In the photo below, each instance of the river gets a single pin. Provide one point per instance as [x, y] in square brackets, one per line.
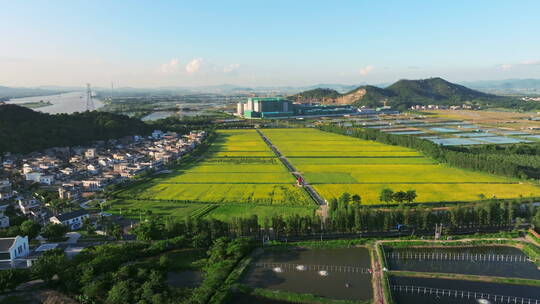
[61, 103]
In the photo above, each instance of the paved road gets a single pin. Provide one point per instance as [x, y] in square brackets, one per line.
[312, 192]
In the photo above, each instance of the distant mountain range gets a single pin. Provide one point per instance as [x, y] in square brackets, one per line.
[7, 92]
[372, 92]
[403, 92]
[506, 86]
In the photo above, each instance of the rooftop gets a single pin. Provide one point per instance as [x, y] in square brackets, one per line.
[71, 215]
[6, 243]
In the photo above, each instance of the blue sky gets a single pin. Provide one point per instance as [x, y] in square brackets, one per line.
[181, 43]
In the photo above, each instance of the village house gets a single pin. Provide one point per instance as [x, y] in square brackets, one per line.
[13, 248]
[46, 180]
[33, 177]
[69, 191]
[90, 153]
[93, 184]
[74, 220]
[27, 205]
[6, 191]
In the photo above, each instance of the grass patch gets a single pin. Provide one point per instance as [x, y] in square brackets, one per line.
[299, 297]
[226, 212]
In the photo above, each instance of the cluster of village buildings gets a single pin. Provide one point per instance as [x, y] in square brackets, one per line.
[79, 172]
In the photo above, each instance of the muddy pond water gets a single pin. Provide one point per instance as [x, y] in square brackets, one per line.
[407, 290]
[341, 273]
[498, 261]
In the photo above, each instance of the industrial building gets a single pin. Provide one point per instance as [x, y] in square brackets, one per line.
[279, 107]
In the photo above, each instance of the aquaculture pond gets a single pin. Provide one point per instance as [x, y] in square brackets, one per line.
[443, 130]
[408, 290]
[498, 261]
[501, 140]
[454, 141]
[339, 273]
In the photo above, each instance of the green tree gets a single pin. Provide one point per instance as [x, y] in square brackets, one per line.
[11, 278]
[356, 199]
[120, 293]
[536, 220]
[410, 195]
[345, 198]
[50, 263]
[30, 229]
[54, 231]
[386, 195]
[400, 196]
[89, 226]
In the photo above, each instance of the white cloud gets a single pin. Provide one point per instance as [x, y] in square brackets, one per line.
[523, 63]
[366, 70]
[531, 62]
[194, 65]
[231, 68]
[170, 67]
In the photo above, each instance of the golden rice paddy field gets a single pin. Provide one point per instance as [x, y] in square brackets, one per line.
[335, 164]
[238, 168]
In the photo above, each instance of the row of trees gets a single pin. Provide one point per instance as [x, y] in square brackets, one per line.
[506, 164]
[388, 195]
[345, 216]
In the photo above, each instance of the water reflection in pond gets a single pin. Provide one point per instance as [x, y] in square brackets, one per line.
[498, 261]
[418, 296]
[282, 270]
[184, 279]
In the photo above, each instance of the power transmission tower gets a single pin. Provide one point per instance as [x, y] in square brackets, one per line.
[89, 101]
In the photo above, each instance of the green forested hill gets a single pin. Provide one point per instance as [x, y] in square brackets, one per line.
[405, 93]
[23, 130]
[318, 93]
[436, 89]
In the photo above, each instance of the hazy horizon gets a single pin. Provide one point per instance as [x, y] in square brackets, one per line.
[171, 44]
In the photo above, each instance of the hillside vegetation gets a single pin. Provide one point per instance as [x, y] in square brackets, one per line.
[23, 130]
[405, 93]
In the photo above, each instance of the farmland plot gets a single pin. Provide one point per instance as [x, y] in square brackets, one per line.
[335, 164]
[237, 168]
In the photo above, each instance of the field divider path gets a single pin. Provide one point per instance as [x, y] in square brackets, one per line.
[312, 192]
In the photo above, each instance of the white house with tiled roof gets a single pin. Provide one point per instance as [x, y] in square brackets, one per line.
[13, 248]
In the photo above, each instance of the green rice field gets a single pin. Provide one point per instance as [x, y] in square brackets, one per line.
[335, 164]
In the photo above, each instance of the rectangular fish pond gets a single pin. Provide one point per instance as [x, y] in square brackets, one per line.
[413, 290]
[499, 261]
[337, 273]
[501, 140]
[443, 130]
[454, 141]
